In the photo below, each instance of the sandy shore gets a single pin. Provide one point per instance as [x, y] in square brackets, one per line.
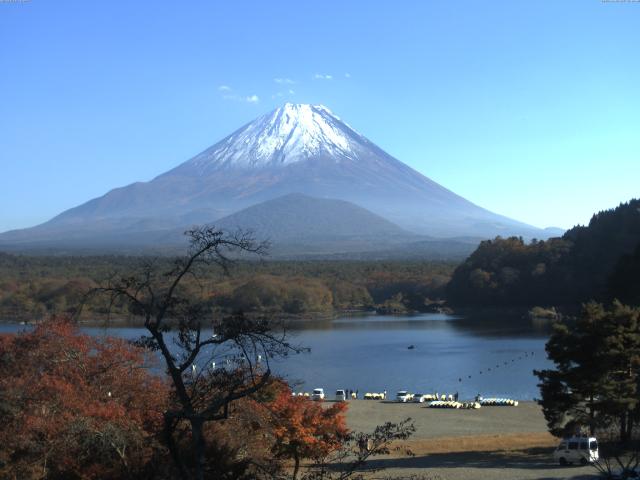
[489, 443]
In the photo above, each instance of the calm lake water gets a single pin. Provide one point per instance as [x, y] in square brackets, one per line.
[469, 355]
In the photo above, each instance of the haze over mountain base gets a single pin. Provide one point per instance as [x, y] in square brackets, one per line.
[253, 179]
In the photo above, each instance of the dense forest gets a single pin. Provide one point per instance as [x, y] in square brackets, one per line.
[32, 287]
[600, 261]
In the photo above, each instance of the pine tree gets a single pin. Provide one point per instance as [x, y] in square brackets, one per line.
[595, 382]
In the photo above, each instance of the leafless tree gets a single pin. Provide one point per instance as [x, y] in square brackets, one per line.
[617, 459]
[212, 361]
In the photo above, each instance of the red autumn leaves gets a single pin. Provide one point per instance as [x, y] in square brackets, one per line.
[72, 403]
[306, 429]
[77, 406]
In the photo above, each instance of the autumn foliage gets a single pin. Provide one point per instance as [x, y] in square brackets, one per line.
[76, 407]
[303, 428]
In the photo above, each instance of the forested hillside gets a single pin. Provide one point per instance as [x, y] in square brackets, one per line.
[33, 287]
[600, 261]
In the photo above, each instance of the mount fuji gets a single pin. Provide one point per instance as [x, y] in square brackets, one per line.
[295, 149]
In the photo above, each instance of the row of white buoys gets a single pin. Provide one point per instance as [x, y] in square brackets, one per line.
[300, 394]
[504, 364]
[498, 402]
[375, 396]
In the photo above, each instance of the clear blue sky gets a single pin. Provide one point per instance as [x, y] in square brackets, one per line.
[528, 108]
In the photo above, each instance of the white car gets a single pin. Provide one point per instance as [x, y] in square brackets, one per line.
[404, 396]
[583, 450]
[317, 394]
[341, 395]
[420, 397]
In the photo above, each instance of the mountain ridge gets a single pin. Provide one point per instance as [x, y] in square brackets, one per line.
[294, 148]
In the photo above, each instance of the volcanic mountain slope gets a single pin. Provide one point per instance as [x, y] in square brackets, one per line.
[300, 224]
[294, 149]
[300, 218]
[304, 227]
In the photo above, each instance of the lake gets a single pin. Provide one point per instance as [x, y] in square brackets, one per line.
[493, 356]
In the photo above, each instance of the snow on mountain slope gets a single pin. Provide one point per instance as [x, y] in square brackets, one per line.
[291, 133]
[303, 149]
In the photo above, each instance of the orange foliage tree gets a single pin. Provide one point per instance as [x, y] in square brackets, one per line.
[303, 428]
[75, 406]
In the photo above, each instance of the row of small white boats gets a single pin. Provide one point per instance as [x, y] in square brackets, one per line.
[454, 404]
[375, 396]
[498, 402]
[485, 402]
[433, 401]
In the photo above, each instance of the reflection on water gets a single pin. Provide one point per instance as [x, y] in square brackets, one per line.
[486, 326]
[374, 321]
[494, 356]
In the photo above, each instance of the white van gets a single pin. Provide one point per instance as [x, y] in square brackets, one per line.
[341, 395]
[581, 450]
[404, 396]
[317, 394]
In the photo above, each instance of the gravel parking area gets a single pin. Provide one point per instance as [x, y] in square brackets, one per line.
[507, 443]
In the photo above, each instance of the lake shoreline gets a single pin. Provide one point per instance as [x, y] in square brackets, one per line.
[285, 317]
[103, 321]
[476, 313]
[419, 353]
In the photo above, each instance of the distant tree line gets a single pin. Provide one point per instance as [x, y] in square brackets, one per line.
[33, 287]
[600, 261]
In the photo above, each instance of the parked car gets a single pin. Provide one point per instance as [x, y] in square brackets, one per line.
[583, 450]
[404, 396]
[317, 394]
[419, 397]
[341, 395]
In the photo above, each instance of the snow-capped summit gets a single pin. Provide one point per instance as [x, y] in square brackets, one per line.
[295, 149]
[288, 134]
